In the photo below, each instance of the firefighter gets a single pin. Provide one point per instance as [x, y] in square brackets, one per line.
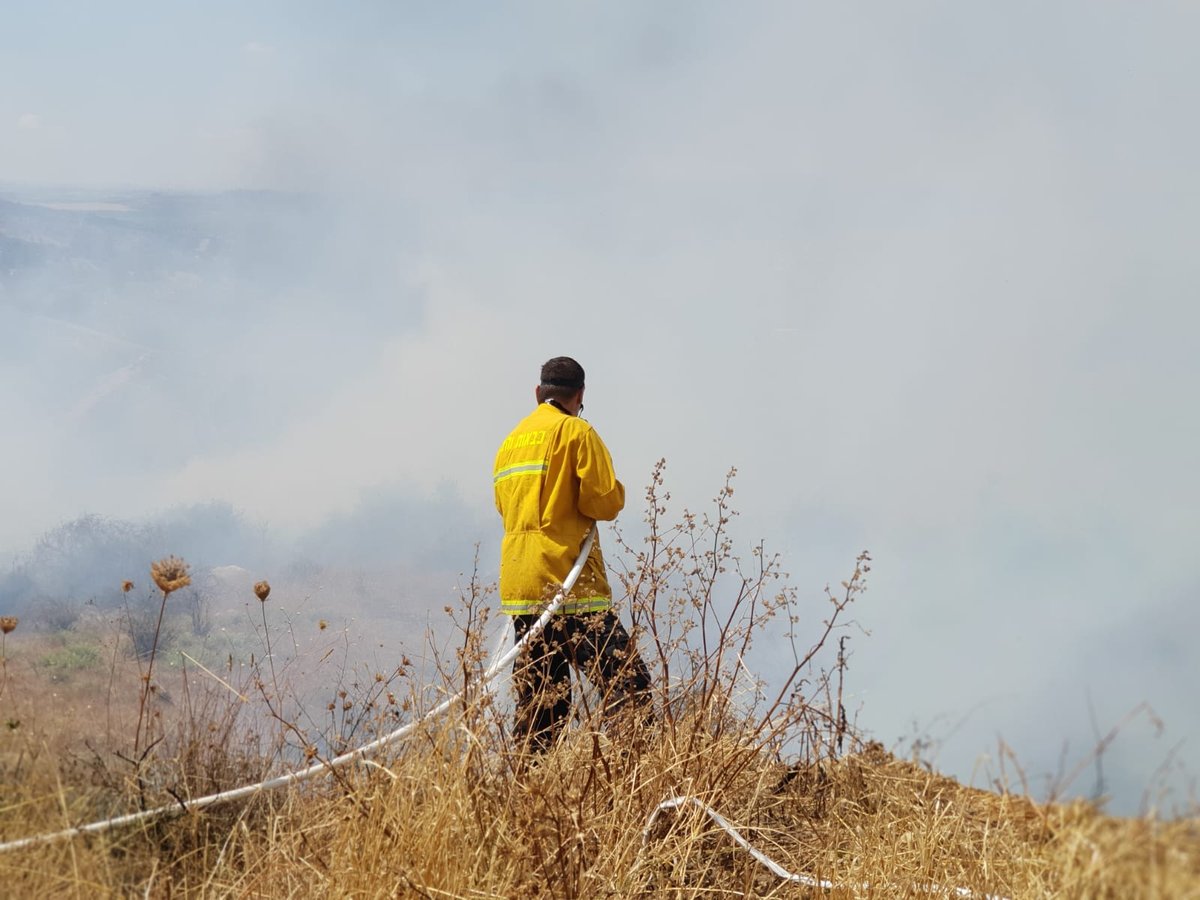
[553, 479]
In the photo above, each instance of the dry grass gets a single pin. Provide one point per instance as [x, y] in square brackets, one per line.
[446, 817]
[458, 810]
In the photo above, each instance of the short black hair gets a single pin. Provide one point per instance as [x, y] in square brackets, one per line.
[561, 378]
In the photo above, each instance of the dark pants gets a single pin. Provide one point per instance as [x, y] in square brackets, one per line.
[598, 644]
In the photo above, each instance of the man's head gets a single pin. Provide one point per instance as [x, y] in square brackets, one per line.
[562, 380]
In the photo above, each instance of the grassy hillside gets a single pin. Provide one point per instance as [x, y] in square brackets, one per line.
[459, 809]
[459, 812]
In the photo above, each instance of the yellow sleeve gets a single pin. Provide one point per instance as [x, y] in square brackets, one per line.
[601, 495]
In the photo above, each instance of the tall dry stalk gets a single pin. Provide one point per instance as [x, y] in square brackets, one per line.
[262, 590]
[169, 574]
[8, 624]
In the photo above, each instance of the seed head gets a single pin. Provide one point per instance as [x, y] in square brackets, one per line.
[127, 586]
[262, 590]
[8, 623]
[170, 574]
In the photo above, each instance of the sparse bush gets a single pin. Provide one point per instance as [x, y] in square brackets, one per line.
[86, 560]
[199, 610]
[73, 657]
[55, 613]
[144, 629]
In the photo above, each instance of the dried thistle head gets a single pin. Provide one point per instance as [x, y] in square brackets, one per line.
[8, 624]
[170, 574]
[126, 586]
[262, 590]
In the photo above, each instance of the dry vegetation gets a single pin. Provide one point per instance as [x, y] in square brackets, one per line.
[458, 810]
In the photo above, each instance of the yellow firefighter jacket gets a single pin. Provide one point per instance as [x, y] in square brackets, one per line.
[553, 478]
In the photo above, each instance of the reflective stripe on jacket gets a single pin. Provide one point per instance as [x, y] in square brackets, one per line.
[553, 478]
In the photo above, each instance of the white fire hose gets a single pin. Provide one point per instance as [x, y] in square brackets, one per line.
[799, 878]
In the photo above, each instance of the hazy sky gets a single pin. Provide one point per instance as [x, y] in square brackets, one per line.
[919, 270]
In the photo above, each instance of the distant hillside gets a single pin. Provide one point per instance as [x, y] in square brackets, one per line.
[228, 309]
[51, 248]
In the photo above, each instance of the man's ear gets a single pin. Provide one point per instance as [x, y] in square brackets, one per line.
[537, 394]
